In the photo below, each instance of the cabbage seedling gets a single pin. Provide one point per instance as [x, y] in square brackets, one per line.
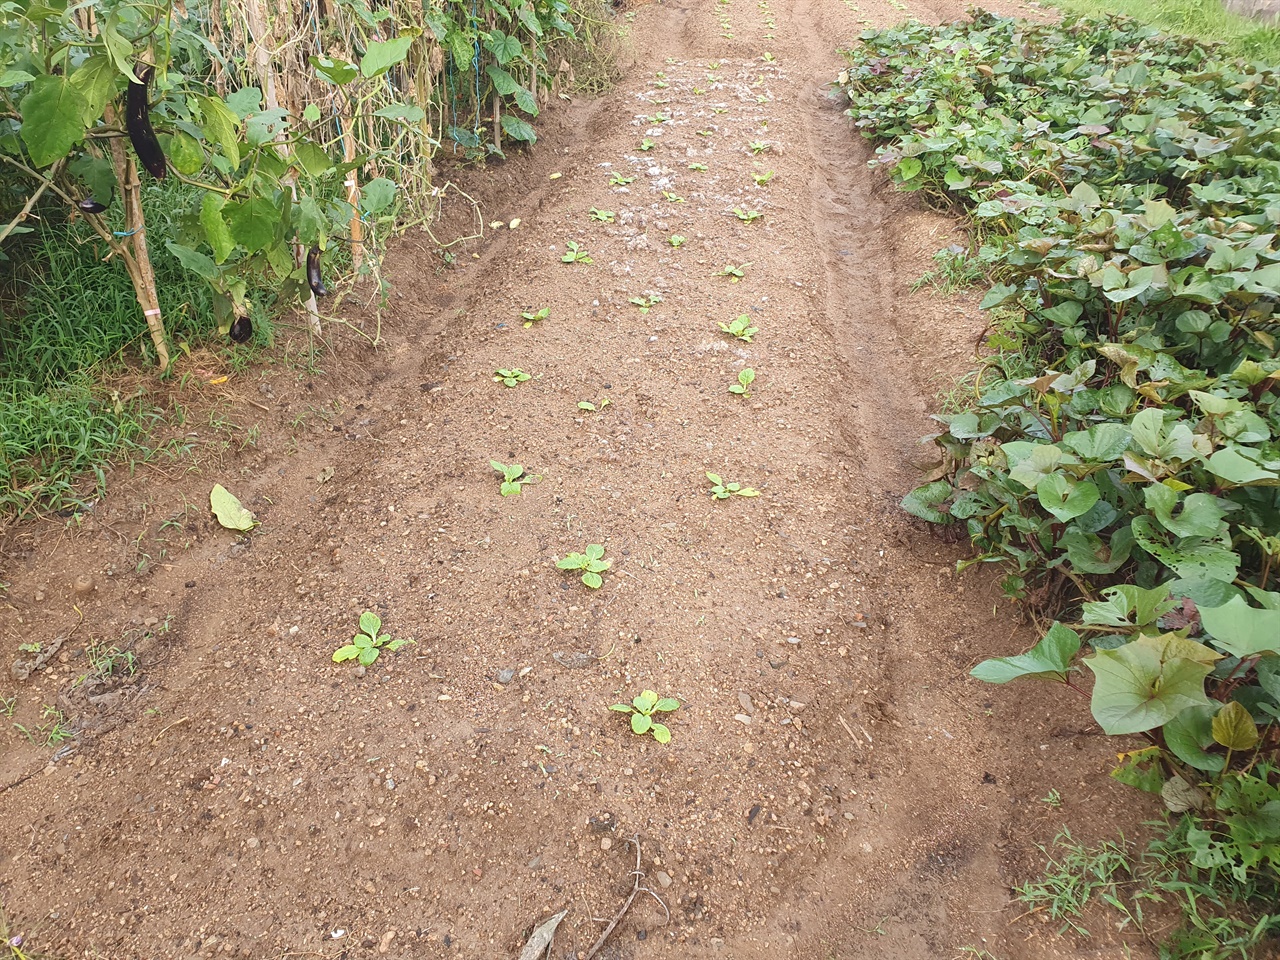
[642, 709]
[366, 645]
[590, 563]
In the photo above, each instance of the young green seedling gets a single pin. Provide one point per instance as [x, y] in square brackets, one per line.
[768, 57]
[734, 273]
[618, 180]
[762, 178]
[646, 144]
[646, 303]
[747, 216]
[642, 709]
[590, 563]
[602, 216]
[513, 477]
[676, 240]
[672, 197]
[509, 378]
[531, 317]
[589, 407]
[576, 253]
[740, 327]
[719, 109]
[660, 118]
[366, 645]
[723, 491]
[745, 379]
[758, 146]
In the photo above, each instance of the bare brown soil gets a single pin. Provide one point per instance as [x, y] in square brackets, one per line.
[836, 787]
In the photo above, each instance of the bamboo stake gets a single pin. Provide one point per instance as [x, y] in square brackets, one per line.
[353, 194]
[134, 253]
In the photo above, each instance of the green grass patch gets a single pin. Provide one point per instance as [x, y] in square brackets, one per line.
[73, 328]
[75, 312]
[1206, 20]
[55, 441]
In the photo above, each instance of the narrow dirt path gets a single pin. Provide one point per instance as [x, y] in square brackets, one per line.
[834, 787]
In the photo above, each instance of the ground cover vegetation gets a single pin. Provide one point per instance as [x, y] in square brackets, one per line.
[1119, 450]
[187, 171]
[1207, 20]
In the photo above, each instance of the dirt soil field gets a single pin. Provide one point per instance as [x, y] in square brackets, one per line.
[835, 785]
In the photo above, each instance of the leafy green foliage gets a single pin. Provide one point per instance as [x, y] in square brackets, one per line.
[591, 562]
[642, 708]
[1125, 433]
[647, 302]
[513, 477]
[740, 328]
[366, 646]
[747, 216]
[510, 377]
[530, 317]
[723, 491]
[746, 377]
[575, 253]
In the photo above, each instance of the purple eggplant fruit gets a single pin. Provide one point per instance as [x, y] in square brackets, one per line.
[314, 280]
[241, 330]
[137, 121]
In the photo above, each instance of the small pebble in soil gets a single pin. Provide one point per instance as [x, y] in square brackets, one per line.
[505, 675]
[83, 586]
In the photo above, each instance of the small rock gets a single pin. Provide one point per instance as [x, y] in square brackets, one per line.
[663, 878]
[359, 671]
[390, 784]
[385, 943]
[505, 675]
[83, 586]
[742, 718]
[605, 843]
[745, 701]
